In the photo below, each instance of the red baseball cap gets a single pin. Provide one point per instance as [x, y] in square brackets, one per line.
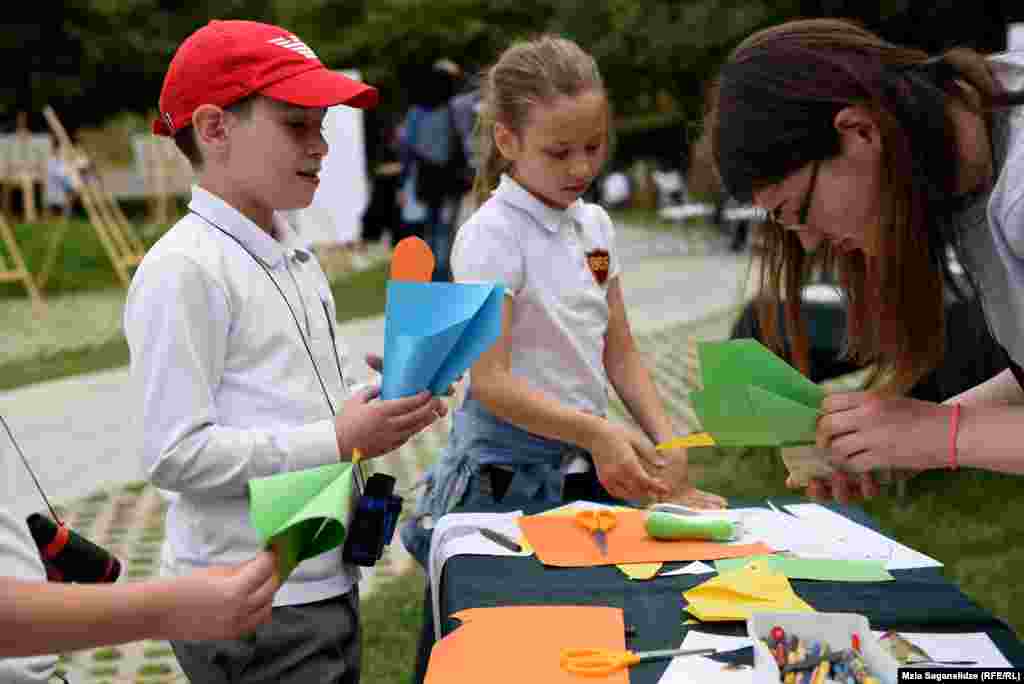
[225, 61]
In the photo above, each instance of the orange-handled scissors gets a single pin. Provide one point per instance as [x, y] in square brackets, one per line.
[599, 662]
[598, 522]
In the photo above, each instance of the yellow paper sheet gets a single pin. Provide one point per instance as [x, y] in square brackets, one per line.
[737, 594]
[696, 439]
[639, 571]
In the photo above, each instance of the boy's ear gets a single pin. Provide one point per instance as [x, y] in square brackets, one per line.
[210, 124]
[507, 142]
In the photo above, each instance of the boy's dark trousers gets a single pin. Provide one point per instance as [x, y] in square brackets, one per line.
[314, 642]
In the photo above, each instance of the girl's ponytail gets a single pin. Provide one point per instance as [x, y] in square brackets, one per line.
[492, 164]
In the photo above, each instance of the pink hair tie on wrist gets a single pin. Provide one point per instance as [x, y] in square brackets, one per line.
[954, 426]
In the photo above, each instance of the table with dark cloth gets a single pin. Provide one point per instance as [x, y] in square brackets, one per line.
[921, 599]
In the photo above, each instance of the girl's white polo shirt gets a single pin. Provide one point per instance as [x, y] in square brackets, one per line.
[557, 266]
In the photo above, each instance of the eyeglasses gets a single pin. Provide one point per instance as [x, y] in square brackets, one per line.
[774, 216]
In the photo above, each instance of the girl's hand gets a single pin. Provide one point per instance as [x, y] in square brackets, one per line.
[864, 432]
[617, 454]
[675, 472]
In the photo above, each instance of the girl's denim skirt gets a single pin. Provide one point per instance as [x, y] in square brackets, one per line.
[480, 443]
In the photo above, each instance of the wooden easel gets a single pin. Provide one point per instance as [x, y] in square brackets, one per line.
[116, 234]
[161, 166]
[24, 167]
[19, 271]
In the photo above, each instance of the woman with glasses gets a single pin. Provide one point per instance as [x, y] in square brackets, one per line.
[879, 162]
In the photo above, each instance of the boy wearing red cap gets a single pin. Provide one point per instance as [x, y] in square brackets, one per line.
[234, 356]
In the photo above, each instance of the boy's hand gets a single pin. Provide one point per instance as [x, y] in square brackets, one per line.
[222, 602]
[377, 427]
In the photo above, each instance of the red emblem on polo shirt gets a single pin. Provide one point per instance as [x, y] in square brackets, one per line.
[598, 261]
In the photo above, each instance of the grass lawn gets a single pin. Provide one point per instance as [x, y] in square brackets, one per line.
[391, 620]
[83, 267]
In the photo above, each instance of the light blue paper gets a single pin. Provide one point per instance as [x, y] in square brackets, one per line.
[433, 332]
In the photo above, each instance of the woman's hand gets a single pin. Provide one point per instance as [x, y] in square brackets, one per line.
[220, 602]
[864, 432]
[617, 452]
[841, 486]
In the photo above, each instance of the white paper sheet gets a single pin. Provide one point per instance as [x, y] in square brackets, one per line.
[701, 670]
[976, 646]
[457, 534]
[853, 539]
[694, 568]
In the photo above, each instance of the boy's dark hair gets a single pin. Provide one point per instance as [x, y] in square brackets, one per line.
[185, 139]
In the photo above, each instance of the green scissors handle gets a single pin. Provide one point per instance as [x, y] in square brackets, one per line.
[599, 662]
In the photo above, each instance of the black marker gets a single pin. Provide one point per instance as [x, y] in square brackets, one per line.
[501, 540]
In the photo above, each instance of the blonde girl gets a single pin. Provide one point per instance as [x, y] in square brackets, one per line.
[534, 425]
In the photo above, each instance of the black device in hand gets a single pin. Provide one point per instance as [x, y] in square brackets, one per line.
[70, 557]
[374, 521]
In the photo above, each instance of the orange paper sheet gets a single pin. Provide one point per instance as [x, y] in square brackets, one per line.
[412, 260]
[517, 644]
[561, 541]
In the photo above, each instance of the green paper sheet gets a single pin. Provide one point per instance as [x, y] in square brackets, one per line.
[825, 569]
[751, 397]
[302, 514]
[748, 362]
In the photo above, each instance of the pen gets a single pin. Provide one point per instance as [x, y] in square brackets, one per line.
[778, 510]
[501, 539]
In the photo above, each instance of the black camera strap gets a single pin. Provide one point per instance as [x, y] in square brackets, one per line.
[30, 471]
[360, 477]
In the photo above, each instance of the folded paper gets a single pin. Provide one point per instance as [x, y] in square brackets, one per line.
[433, 332]
[751, 397]
[737, 594]
[559, 540]
[303, 513]
[516, 644]
[824, 569]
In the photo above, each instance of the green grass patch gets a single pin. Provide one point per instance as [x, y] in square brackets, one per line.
[135, 488]
[391, 617]
[362, 294]
[357, 296]
[112, 354]
[150, 670]
[107, 654]
[105, 671]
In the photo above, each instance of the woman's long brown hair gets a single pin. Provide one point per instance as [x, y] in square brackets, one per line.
[771, 111]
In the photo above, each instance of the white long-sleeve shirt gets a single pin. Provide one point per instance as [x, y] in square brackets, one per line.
[224, 384]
